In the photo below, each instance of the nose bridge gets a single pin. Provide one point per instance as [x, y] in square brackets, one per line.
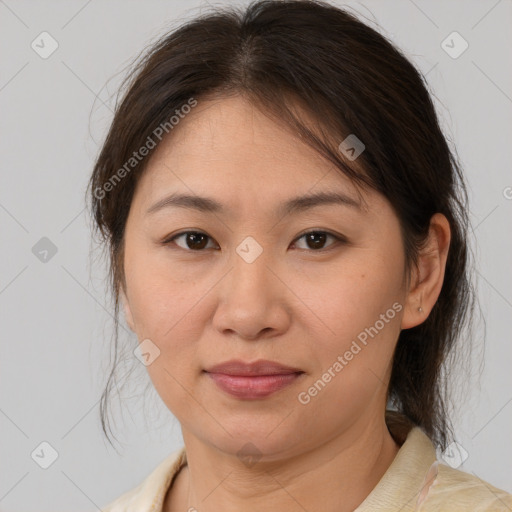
[250, 272]
[249, 297]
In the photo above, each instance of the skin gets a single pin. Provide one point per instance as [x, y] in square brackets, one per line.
[294, 304]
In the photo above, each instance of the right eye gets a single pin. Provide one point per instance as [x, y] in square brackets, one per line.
[194, 241]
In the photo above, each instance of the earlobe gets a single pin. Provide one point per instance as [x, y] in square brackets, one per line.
[428, 276]
[127, 311]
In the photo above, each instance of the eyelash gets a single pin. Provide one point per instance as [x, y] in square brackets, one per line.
[338, 239]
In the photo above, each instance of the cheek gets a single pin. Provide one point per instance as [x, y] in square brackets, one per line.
[162, 296]
[359, 301]
[168, 307]
[351, 294]
[360, 315]
[171, 314]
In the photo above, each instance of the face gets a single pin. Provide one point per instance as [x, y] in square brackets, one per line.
[249, 284]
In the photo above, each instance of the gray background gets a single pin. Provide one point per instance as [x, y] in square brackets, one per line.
[55, 320]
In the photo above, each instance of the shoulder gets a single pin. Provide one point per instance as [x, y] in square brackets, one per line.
[417, 480]
[149, 495]
[453, 489]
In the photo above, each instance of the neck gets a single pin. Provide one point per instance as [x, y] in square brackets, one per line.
[336, 476]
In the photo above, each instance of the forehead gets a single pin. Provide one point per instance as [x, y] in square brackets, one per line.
[228, 144]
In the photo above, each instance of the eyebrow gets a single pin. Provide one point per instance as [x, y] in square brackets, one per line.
[294, 205]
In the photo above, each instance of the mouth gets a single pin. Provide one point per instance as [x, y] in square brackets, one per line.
[252, 381]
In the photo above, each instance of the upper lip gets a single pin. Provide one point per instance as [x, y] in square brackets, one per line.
[260, 367]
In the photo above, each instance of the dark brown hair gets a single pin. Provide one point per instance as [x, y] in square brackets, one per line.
[350, 80]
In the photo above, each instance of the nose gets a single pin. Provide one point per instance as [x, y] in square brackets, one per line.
[252, 300]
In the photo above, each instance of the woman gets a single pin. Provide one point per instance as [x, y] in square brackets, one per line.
[286, 226]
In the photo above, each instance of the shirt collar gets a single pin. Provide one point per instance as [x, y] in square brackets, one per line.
[410, 473]
[397, 490]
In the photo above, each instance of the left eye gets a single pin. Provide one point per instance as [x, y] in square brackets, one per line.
[316, 239]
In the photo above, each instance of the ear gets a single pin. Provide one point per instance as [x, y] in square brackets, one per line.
[127, 310]
[427, 278]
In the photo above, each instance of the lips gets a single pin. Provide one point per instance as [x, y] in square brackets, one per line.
[251, 381]
[261, 367]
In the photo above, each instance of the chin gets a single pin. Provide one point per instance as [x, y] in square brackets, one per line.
[267, 438]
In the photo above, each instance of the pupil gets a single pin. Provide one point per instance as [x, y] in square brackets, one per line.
[312, 236]
[193, 238]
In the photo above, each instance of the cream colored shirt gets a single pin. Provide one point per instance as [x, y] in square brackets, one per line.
[415, 481]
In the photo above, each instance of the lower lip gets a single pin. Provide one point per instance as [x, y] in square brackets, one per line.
[252, 388]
